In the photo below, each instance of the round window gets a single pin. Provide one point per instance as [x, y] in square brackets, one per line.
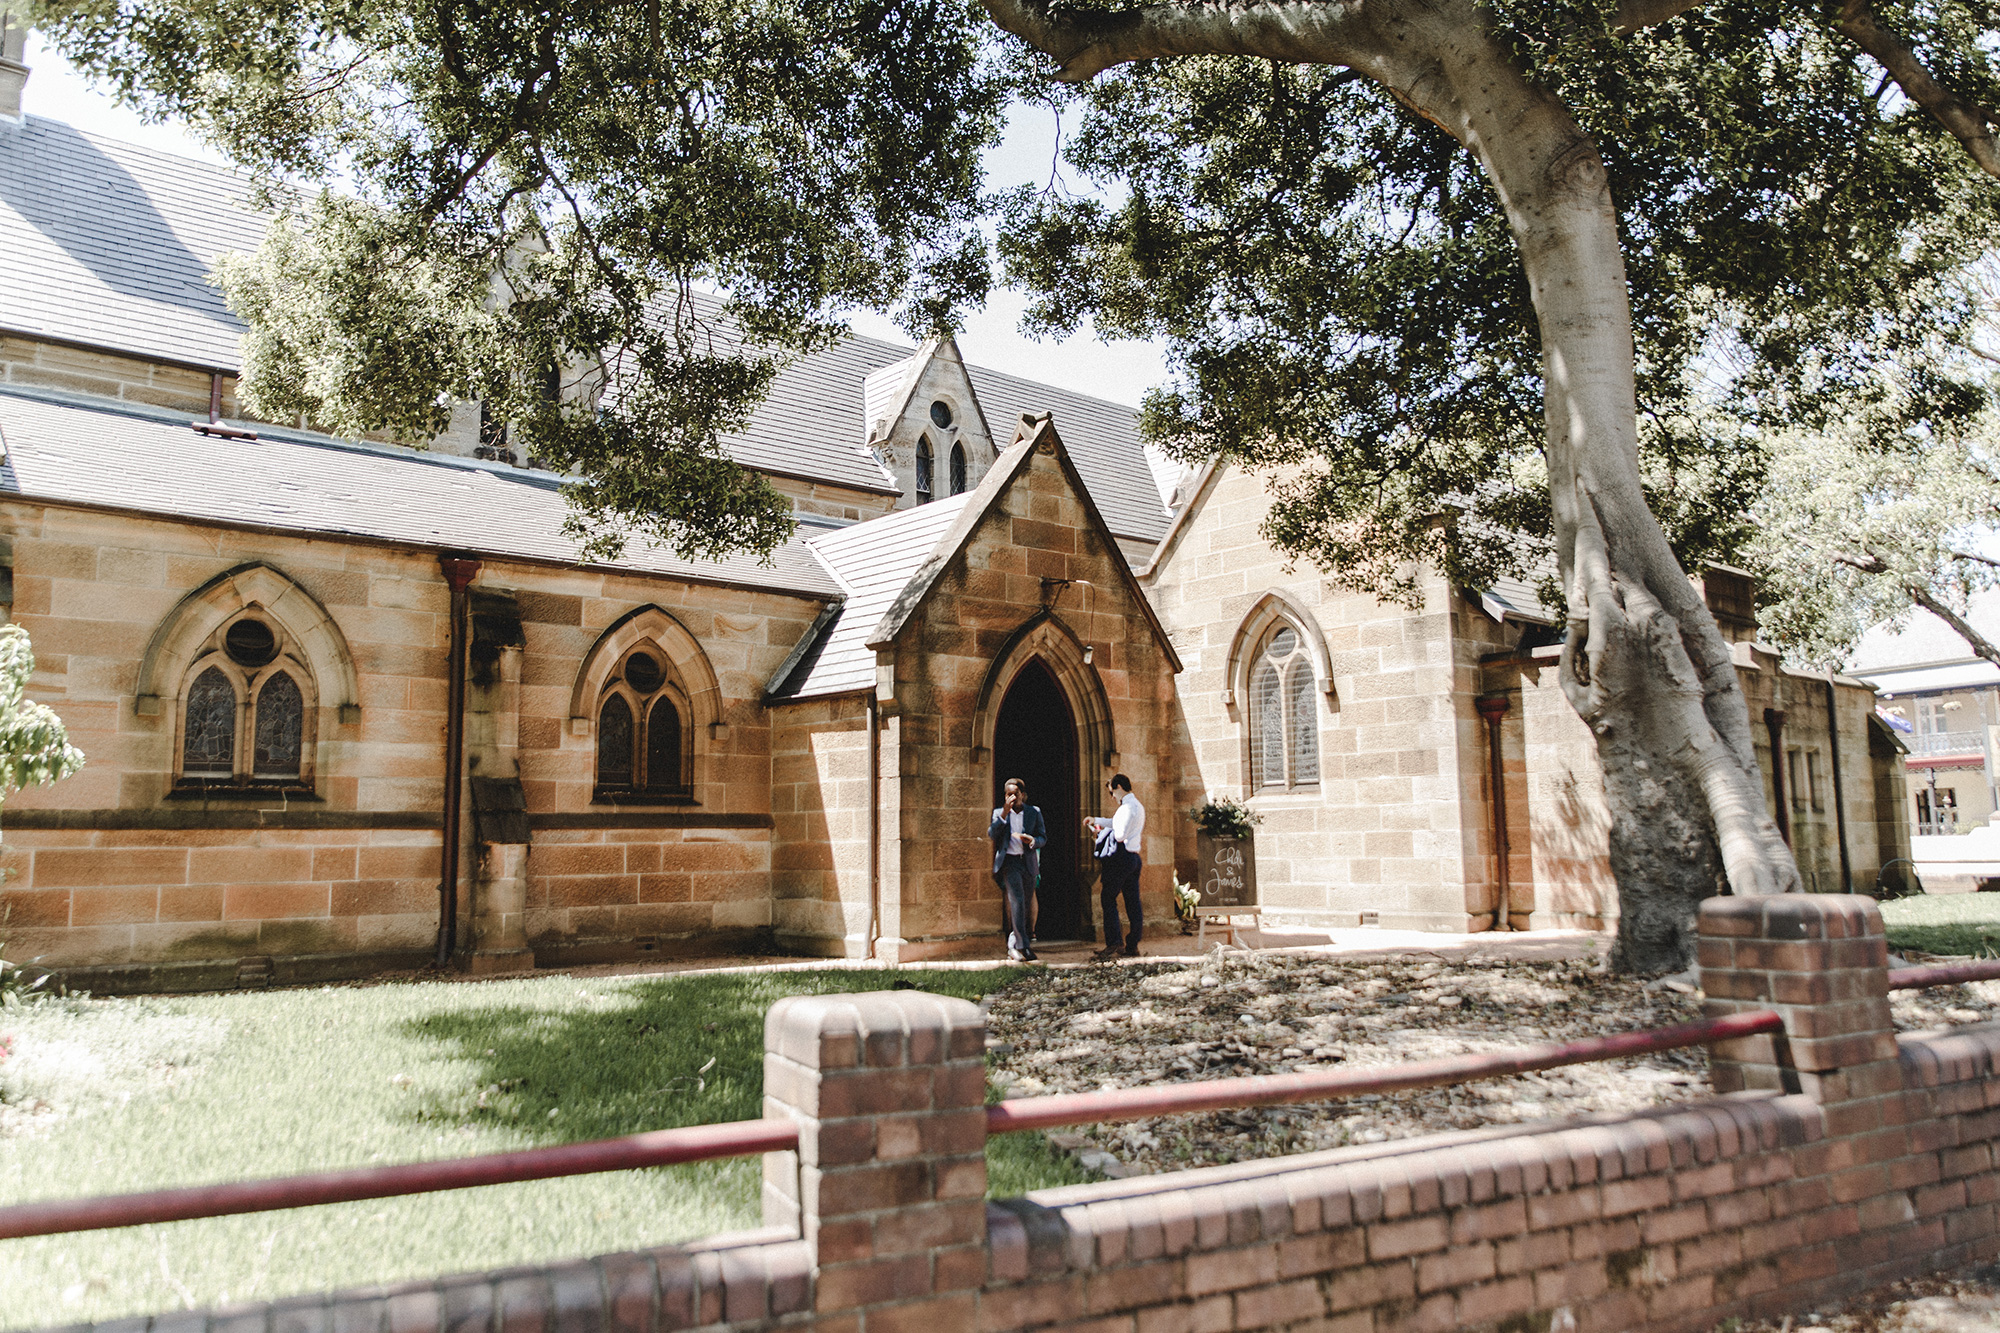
[941, 414]
[643, 672]
[1283, 642]
[250, 643]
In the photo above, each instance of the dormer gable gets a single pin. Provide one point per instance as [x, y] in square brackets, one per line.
[925, 424]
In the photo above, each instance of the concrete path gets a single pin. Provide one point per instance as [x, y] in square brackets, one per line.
[1359, 945]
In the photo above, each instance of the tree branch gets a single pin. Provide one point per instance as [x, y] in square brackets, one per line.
[1085, 43]
[1634, 15]
[1973, 556]
[1922, 596]
[1969, 124]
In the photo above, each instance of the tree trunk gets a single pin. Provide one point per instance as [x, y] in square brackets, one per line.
[1644, 665]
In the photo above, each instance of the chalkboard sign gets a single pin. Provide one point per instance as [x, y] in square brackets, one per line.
[1228, 872]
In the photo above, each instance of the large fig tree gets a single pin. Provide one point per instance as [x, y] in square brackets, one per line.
[1385, 236]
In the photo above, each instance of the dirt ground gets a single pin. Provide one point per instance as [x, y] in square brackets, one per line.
[1083, 1029]
[1947, 1303]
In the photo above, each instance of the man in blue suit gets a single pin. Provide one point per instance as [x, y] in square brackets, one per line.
[1018, 836]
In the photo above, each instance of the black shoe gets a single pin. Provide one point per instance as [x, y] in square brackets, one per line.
[1133, 952]
[1031, 957]
[1104, 955]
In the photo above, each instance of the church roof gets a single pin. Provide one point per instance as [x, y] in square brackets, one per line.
[109, 246]
[70, 450]
[874, 561]
[888, 565]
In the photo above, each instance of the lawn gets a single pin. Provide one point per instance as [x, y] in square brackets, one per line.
[105, 1096]
[1949, 923]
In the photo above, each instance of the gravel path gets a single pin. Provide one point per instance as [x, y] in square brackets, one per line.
[1083, 1029]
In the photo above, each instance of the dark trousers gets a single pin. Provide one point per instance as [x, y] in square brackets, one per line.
[1118, 876]
[1014, 890]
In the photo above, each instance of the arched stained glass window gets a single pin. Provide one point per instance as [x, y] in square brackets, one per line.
[1268, 740]
[958, 469]
[1301, 725]
[642, 737]
[1284, 723]
[248, 715]
[925, 466]
[209, 748]
[281, 716]
[614, 743]
[663, 746]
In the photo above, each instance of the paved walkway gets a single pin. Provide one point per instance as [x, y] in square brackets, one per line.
[1358, 944]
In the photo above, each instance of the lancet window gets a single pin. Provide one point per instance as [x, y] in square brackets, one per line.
[245, 710]
[1284, 724]
[643, 740]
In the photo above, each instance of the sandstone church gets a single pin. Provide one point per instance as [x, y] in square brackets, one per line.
[319, 680]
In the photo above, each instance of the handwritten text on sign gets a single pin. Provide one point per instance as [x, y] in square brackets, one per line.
[1228, 872]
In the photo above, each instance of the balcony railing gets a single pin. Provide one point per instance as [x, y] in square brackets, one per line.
[1948, 742]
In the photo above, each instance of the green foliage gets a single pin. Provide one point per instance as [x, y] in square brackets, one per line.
[526, 202]
[1853, 530]
[1224, 817]
[1343, 302]
[540, 193]
[34, 747]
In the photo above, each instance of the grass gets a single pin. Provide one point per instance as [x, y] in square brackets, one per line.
[157, 1092]
[1946, 923]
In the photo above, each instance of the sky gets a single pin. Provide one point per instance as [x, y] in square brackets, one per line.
[1121, 371]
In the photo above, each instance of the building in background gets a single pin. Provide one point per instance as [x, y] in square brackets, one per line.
[1948, 698]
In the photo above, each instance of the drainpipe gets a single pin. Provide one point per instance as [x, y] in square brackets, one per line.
[874, 825]
[1493, 707]
[1774, 722]
[459, 573]
[1839, 800]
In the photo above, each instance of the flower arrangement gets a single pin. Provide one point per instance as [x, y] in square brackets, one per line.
[1186, 898]
[1224, 817]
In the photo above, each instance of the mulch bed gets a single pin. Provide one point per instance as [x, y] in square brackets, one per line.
[1084, 1029]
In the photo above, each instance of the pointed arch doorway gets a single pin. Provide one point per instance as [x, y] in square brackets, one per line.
[1034, 739]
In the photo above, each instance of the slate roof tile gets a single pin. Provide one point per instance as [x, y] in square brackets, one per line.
[71, 450]
[874, 562]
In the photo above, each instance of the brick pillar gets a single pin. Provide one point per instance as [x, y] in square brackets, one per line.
[889, 1188]
[1821, 961]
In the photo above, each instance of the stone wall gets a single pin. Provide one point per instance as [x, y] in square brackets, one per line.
[1386, 830]
[1846, 1157]
[949, 670]
[820, 841]
[1558, 817]
[115, 867]
[46, 365]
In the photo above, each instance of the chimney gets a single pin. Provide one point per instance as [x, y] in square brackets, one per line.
[13, 69]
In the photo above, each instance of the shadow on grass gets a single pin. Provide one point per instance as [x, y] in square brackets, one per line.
[622, 1057]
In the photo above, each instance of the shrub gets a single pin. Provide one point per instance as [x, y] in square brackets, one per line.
[1224, 817]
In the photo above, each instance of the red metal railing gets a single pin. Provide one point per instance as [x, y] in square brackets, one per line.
[1944, 974]
[1224, 1094]
[743, 1137]
[663, 1147]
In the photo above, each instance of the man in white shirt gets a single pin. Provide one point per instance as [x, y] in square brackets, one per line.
[1118, 873]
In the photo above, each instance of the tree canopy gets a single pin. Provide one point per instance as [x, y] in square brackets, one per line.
[517, 204]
